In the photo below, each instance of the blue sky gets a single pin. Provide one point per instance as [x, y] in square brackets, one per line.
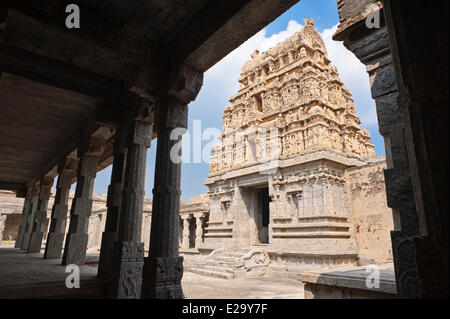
[220, 83]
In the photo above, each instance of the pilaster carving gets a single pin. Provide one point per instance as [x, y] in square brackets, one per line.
[167, 273]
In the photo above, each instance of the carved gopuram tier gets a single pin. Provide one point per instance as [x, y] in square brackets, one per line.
[277, 178]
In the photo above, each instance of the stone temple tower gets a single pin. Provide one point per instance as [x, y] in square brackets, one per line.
[277, 179]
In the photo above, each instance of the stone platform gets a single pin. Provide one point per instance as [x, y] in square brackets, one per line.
[28, 275]
[349, 283]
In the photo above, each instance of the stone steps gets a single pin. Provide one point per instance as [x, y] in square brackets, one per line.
[220, 269]
[226, 259]
[212, 273]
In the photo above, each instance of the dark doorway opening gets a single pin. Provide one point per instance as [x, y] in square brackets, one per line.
[264, 215]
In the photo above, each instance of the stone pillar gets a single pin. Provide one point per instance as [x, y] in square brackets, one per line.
[418, 37]
[2, 227]
[55, 238]
[185, 241]
[128, 251]
[114, 200]
[371, 47]
[30, 217]
[77, 237]
[163, 268]
[199, 229]
[23, 220]
[41, 215]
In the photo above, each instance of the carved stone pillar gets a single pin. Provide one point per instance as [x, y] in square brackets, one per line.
[77, 237]
[55, 238]
[23, 220]
[163, 268]
[30, 217]
[128, 251]
[198, 229]
[41, 214]
[371, 47]
[114, 200]
[186, 224]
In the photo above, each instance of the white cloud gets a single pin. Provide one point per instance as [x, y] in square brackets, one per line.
[221, 83]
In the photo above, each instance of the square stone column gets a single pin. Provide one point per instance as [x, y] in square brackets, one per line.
[77, 237]
[128, 251]
[185, 241]
[29, 218]
[199, 229]
[163, 268]
[23, 219]
[41, 214]
[113, 202]
[55, 238]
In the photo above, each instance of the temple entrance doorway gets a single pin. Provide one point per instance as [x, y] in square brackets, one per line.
[262, 215]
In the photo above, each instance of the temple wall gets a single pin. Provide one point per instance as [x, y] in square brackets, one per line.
[370, 214]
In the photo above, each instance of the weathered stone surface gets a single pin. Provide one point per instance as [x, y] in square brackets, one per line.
[55, 238]
[40, 216]
[77, 237]
[114, 201]
[166, 274]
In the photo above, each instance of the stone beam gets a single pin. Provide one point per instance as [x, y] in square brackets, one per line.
[18, 187]
[56, 73]
[229, 24]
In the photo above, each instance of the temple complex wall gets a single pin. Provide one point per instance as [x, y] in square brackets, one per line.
[371, 216]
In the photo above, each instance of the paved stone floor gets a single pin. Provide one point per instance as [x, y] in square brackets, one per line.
[37, 277]
[25, 275]
[200, 287]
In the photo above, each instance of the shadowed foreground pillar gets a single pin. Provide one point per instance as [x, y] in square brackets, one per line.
[128, 251]
[114, 200]
[77, 237]
[41, 215]
[23, 219]
[30, 217]
[163, 269]
[55, 238]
